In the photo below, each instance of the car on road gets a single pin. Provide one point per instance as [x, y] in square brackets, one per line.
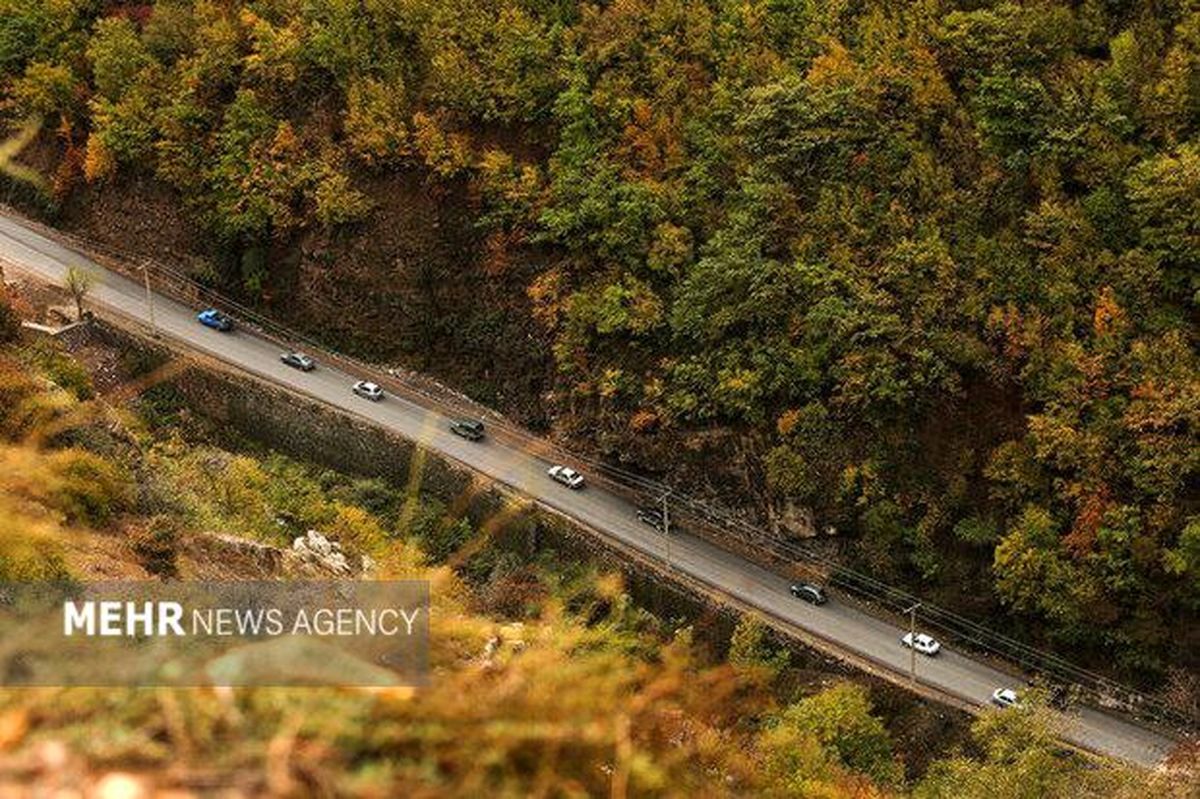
[566, 475]
[470, 429]
[1005, 697]
[652, 517]
[810, 592]
[213, 318]
[923, 643]
[298, 360]
[368, 390]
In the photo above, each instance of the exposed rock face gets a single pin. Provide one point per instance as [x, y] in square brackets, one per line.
[314, 555]
[224, 557]
[793, 519]
[509, 641]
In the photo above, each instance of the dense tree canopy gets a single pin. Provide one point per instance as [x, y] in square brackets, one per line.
[943, 257]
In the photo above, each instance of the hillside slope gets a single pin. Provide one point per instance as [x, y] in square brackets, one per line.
[922, 272]
[550, 677]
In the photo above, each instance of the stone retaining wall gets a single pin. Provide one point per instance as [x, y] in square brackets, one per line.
[311, 431]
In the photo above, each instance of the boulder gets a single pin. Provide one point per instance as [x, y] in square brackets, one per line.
[315, 555]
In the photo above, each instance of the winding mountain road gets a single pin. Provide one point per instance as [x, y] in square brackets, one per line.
[846, 625]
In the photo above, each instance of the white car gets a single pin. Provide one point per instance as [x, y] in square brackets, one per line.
[925, 644]
[368, 391]
[1005, 697]
[566, 475]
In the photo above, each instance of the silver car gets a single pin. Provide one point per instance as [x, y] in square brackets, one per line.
[298, 360]
[368, 390]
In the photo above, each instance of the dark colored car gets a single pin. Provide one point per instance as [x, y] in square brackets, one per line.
[651, 516]
[298, 360]
[469, 429]
[810, 593]
[215, 319]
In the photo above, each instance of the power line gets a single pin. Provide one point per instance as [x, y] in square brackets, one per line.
[763, 542]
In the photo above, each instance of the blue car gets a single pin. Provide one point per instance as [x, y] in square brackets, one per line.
[215, 319]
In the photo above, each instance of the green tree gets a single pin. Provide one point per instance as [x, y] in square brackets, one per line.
[1164, 191]
[337, 201]
[750, 650]
[840, 719]
[377, 123]
[124, 129]
[1011, 111]
[1034, 574]
[78, 282]
[38, 32]
[117, 56]
[1022, 760]
[1183, 559]
[47, 89]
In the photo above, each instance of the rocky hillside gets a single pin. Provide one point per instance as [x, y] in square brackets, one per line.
[925, 270]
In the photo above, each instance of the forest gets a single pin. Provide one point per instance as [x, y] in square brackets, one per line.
[928, 270]
[552, 676]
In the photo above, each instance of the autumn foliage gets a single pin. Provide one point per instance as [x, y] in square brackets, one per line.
[929, 267]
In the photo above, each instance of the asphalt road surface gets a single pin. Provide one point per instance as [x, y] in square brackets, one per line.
[837, 622]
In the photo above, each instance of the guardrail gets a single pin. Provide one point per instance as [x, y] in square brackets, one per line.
[721, 526]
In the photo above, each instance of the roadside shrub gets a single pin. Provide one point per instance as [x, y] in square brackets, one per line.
[373, 494]
[66, 372]
[157, 545]
[85, 488]
[515, 593]
[10, 322]
[236, 490]
[15, 388]
[138, 361]
[842, 719]
[358, 531]
[162, 406]
[26, 559]
[70, 375]
[295, 497]
[96, 436]
[30, 549]
[439, 537]
[37, 412]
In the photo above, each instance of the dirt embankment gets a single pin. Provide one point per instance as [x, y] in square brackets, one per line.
[409, 285]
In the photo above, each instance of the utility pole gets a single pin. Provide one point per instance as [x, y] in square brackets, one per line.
[149, 299]
[666, 521]
[912, 642]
